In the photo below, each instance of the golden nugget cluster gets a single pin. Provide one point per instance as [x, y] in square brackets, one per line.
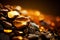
[27, 24]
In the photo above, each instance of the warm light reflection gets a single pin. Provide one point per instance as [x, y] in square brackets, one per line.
[24, 23]
[42, 28]
[20, 37]
[7, 31]
[20, 32]
[20, 24]
[11, 14]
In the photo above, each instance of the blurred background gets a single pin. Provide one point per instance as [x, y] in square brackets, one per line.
[49, 7]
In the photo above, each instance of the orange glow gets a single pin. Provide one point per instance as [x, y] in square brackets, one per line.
[37, 13]
[34, 15]
[24, 12]
[41, 17]
[48, 22]
[57, 19]
[18, 37]
[42, 28]
[52, 24]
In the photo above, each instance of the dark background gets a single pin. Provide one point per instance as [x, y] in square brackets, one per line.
[50, 7]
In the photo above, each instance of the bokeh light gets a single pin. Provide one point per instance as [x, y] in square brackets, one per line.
[18, 7]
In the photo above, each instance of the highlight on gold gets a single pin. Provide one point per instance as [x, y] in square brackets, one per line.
[7, 30]
[11, 14]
